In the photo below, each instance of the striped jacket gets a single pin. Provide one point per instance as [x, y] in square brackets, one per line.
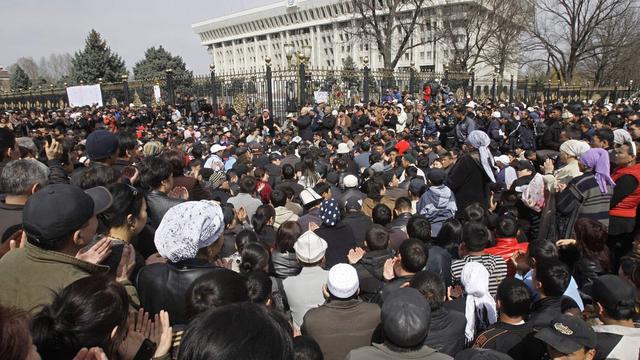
[581, 198]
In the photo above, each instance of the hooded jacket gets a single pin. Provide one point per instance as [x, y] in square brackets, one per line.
[283, 214]
[437, 205]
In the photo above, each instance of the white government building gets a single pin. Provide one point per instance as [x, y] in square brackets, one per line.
[318, 28]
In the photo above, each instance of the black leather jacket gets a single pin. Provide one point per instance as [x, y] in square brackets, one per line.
[158, 203]
[164, 286]
[285, 265]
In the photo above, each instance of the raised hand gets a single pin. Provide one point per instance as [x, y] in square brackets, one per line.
[355, 255]
[97, 252]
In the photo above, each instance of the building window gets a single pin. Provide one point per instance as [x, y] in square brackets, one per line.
[422, 55]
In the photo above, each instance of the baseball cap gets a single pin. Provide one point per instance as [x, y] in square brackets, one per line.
[343, 281]
[60, 209]
[215, 148]
[308, 196]
[309, 247]
[523, 165]
[567, 334]
[613, 293]
[275, 156]
[101, 144]
[405, 317]
[350, 181]
[353, 203]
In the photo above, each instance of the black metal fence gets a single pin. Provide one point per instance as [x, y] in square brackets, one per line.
[283, 90]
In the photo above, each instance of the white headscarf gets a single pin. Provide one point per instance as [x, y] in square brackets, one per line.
[574, 148]
[475, 279]
[187, 228]
[480, 140]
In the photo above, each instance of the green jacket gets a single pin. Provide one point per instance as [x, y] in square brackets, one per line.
[30, 277]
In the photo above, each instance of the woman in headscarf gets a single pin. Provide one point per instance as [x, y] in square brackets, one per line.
[189, 237]
[588, 195]
[471, 175]
[477, 302]
[570, 152]
[338, 235]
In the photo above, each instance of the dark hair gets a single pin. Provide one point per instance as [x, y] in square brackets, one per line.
[278, 198]
[288, 171]
[605, 134]
[238, 331]
[514, 297]
[431, 286]
[541, 250]
[127, 200]
[403, 203]
[126, 142]
[377, 237]
[82, 315]
[7, 141]
[259, 287]
[259, 172]
[245, 237]
[450, 236]
[15, 342]
[554, 276]
[305, 348]
[154, 171]
[381, 214]
[215, 289]
[475, 236]
[591, 241]
[419, 228]
[413, 255]
[374, 187]
[288, 233]
[322, 188]
[475, 212]
[262, 216]
[248, 185]
[93, 176]
[255, 257]
[176, 159]
[507, 227]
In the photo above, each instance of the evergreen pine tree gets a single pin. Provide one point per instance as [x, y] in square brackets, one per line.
[156, 61]
[350, 74]
[96, 61]
[19, 79]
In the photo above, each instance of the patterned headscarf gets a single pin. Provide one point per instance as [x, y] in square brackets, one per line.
[598, 160]
[480, 140]
[187, 228]
[574, 148]
[329, 212]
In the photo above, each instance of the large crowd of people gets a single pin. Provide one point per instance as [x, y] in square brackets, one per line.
[410, 228]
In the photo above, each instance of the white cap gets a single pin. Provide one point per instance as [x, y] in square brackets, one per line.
[297, 139]
[471, 104]
[225, 130]
[309, 247]
[334, 112]
[531, 109]
[502, 159]
[309, 195]
[343, 148]
[215, 148]
[343, 281]
[609, 107]
[350, 181]
[496, 115]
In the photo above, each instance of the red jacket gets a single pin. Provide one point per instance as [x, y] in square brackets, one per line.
[505, 248]
[626, 208]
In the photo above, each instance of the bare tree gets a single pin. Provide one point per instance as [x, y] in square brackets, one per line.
[506, 45]
[390, 24]
[565, 29]
[55, 66]
[29, 66]
[611, 44]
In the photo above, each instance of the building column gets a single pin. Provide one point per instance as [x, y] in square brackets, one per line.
[223, 68]
[334, 43]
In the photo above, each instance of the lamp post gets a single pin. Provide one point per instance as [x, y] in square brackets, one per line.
[526, 89]
[472, 75]
[169, 73]
[125, 89]
[493, 87]
[365, 73]
[267, 62]
[629, 89]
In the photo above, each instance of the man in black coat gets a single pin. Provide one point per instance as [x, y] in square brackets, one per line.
[370, 264]
[356, 219]
[266, 120]
[304, 124]
[551, 135]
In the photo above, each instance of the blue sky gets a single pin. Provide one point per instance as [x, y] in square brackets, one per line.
[38, 28]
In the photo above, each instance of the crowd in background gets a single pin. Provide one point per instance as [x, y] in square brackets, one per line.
[410, 228]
